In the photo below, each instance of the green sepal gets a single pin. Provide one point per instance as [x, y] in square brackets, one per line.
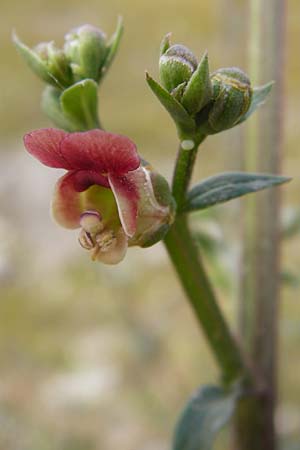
[184, 123]
[112, 48]
[165, 44]
[209, 410]
[161, 189]
[52, 108]
[79, 104]
[177, 93]
[259, 96]
[36, 64]
[198, 91]
[155, 237]
[163, 196]
[227, 186]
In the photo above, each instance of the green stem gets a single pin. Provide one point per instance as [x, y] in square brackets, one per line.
[184, 168]
[185, 256]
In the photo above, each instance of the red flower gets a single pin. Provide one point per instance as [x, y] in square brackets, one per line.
[106, 191]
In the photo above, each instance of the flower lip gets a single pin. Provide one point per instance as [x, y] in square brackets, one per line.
[93, 150]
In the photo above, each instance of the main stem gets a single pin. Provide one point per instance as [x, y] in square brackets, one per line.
[261, 277]
[187, 262]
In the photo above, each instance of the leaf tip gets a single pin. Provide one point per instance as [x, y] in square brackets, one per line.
[285, 179]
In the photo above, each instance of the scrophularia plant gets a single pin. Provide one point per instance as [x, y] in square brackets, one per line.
[117, 200]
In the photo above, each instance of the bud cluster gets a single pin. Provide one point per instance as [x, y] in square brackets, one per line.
[72, 74]
[212, 102]
[86, 53]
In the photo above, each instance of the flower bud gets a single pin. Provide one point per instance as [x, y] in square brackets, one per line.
[55, 62]
[85, 48]
[232, 94]
[176, 66]
[47, 62]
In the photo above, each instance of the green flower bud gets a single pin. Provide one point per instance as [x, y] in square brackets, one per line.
[47, 62]
[55, 62]
[186, 86]
[176, 66]
[232, 95]
[85, 48]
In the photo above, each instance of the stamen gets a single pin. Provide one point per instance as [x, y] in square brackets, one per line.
[106, 240]
[85, 240]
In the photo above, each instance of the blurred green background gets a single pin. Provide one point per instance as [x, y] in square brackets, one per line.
[95, 357]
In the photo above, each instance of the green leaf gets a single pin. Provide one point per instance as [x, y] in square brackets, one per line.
[199, 89]
[112, 48]
[79, 104]
[224, 187]
[259, 97]
[52, 108]
[204, 415]
[181, 118]
[36, 64]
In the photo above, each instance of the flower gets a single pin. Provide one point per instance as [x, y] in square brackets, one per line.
[115, 199]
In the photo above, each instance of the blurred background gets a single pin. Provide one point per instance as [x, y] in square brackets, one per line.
[95, 357]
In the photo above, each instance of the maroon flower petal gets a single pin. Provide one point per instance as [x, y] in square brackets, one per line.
[100, 151]
[44, 144]
[127, 197]
[66, 205]
[95, 150]
[83, 179]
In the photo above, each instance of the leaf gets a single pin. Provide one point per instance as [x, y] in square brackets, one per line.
[204, 415]
[52, 108]
[113, 46]
[79, 103]
[34, 62]
[259, 97]
[181, 118]
[224, 187]
[199, 89]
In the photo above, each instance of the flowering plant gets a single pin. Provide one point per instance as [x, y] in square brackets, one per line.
[117, 200]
